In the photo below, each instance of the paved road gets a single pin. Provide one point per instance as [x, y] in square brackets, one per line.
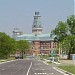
[27, 67]
[18, 67]
[39, 68]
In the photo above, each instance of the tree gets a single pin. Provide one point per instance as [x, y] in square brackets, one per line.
[60, 32]
[71, 24]
[7, 45]
[71, 29]
[69, 44]
[22, 45]
[65, 35]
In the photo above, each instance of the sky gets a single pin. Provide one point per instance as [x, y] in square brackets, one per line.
[19, 14]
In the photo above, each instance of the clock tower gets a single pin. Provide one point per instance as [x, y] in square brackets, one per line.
[37, 27]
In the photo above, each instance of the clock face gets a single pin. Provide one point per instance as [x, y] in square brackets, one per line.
[34, 25]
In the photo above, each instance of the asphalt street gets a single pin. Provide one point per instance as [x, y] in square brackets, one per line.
[27, 67]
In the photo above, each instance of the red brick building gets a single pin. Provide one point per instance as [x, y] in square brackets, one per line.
[40, 43]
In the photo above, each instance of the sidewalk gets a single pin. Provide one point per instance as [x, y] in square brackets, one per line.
[62, 63]
[67, 62]
[5, 61]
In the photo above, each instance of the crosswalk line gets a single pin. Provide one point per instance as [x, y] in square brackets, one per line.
[41, 73]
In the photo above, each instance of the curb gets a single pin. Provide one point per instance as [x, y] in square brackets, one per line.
[59, 70]
[6, 61]
[68, 73]
[56, 63]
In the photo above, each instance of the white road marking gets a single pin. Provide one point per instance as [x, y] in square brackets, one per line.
[29, 68]
[41, 73]
[44, 73]
[40, 69]
[2, 69]
[38, 73]
[51, 73]
[35, 73]
[58, 70]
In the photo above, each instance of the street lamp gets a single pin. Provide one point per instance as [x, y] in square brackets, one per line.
[50, 41]
[51, 58]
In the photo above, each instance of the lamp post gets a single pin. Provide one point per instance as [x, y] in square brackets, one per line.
[50, 41]
[22, 54]
[52, 58]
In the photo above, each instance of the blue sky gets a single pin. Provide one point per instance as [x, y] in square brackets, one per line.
[19, 14]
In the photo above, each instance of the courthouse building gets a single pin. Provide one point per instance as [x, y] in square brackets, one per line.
[40, 43]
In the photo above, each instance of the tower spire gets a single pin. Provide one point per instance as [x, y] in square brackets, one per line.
[37, 27]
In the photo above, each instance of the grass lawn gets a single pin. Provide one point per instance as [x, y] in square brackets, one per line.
[44, 56]
[68, 68]
[49, 62]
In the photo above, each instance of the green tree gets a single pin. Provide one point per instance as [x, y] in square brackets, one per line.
[69, 44]
[65, 35]
[71, 29]
[22, 45]
[61, 32]
[7, 45]
[71, 24]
